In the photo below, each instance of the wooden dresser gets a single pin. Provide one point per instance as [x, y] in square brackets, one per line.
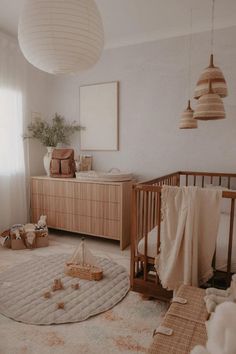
[94, 208]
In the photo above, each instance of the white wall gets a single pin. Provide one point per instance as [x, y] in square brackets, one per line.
[38, 100]
[153, 94]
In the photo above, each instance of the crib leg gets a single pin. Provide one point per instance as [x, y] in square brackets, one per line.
[231, 229]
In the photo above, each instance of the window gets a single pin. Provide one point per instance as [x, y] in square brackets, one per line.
[11, 131]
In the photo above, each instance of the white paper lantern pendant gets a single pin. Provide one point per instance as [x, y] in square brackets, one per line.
[61, 36]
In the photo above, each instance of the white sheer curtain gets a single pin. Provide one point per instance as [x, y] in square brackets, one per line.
[13, 200]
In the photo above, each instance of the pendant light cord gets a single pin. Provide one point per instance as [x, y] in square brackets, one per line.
[212, 25]
[190, 53]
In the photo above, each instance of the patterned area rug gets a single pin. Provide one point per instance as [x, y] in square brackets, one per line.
[126, 328]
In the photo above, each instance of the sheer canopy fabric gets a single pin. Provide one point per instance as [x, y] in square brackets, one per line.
[13, 205]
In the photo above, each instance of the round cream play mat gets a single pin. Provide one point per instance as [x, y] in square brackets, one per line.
[26, 291]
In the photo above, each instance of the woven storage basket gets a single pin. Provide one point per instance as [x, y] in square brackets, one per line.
[187, 322]
[18, 244]
[7, 243]
[42, 239]
[186, 335]
[194, 309]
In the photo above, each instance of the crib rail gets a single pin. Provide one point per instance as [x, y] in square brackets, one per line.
[171, 179]
[201, 179]
[146, 214]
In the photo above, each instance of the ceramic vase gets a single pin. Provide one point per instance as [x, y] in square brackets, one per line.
[47, 159]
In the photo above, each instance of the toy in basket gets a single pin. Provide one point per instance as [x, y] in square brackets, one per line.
[83, 264]
[21, 236]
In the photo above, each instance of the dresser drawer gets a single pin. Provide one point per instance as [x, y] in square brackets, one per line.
[100, 209]
[53, 188]
[106, 210]
[97, 192]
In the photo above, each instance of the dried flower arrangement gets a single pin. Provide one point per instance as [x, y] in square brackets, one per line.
[52, 134]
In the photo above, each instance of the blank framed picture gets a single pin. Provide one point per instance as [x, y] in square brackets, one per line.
[99, 110]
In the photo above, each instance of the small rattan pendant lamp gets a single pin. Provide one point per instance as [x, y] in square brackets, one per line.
[187, 121]
[212, 72]
[210, 106]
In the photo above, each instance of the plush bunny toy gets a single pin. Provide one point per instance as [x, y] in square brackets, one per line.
[221, 331]
[42, 221]
[216, 296]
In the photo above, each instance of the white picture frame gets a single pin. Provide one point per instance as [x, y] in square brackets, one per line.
[99, 115]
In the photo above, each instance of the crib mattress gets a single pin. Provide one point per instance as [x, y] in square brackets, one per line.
[221, 249]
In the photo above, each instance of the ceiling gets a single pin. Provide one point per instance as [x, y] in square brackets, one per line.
[135, 21]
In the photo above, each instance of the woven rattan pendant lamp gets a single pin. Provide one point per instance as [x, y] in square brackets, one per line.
[212, 72]
[187, 121]
[210, 106]
[61, 36]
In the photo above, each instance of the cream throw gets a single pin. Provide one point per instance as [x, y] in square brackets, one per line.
[188, 235]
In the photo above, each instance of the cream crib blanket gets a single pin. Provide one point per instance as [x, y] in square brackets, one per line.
[188, 235]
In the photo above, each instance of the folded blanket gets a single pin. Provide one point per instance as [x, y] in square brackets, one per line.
[188, 235]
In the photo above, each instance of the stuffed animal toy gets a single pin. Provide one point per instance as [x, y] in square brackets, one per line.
[221, 330]
[17, 231]
[30, 239]
[216, 296]
[42, 221]
[29, 227]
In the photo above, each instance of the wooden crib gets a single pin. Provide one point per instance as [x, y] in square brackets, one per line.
[146, 214]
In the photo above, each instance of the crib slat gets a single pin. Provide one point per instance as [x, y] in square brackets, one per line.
[150, 211]
[134, 234]
[159, 223]
[228, 182]
[145, 234]
[230, 244]
[202, 181]
[138, 223]
[142, 213]
[194, 180]
[154, 209]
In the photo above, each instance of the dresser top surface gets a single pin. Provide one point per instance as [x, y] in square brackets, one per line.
[80, 180]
